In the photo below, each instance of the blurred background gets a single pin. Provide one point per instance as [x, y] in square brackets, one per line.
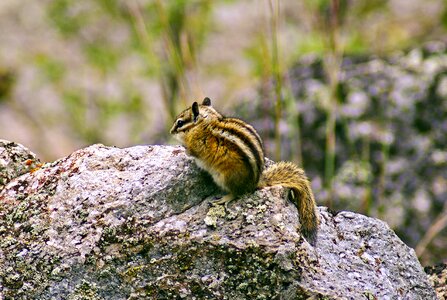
[353, 91]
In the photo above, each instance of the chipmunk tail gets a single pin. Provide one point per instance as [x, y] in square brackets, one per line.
[289, 175]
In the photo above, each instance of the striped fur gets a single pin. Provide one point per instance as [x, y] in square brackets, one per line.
[232, 152]
[291, 176]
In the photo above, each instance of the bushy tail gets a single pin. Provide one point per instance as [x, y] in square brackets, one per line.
[291, 176]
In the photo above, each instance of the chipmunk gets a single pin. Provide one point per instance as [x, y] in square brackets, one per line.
[231, 151]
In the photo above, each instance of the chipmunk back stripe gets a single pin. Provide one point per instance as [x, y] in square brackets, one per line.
[239, 147]
[250, 129]
[241, 144]
[248, 139]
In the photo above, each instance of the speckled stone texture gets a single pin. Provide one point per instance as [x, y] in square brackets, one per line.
[135, 223]
[15, 160]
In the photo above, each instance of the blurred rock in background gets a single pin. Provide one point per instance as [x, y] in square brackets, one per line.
[78, 72]
[391, 129]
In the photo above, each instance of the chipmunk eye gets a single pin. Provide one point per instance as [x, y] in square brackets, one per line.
[180, 123]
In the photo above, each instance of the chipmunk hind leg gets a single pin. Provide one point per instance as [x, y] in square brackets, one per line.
[236, 184]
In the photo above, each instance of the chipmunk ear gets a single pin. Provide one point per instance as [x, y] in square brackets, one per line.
[195, 111]
[206, 101]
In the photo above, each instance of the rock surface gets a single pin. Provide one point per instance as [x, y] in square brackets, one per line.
[135, 223]
[15, 160]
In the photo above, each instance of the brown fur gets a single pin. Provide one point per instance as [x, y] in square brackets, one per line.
[232, 152]
[291, 176]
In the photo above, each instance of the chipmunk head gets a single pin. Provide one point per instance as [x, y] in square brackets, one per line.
[193, 116]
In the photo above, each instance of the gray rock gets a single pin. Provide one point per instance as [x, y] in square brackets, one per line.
[135, 223]
[15, 160]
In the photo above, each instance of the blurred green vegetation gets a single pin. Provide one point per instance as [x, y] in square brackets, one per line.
[167, 35]
[77, 72]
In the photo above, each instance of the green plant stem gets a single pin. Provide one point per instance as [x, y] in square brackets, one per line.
[330, 148]
[382, 177]
[437, 226]
[365, 158]
[294, 122]
[143, 34]
[274, 9]
[332, 66]
[174, 81]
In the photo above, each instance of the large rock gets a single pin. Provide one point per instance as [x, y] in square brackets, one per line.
[135, 223]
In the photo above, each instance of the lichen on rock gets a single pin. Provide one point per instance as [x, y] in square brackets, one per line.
[15, 160]
[135, 223]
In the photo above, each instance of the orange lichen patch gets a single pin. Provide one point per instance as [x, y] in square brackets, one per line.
[33, 165]
[38, 166]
